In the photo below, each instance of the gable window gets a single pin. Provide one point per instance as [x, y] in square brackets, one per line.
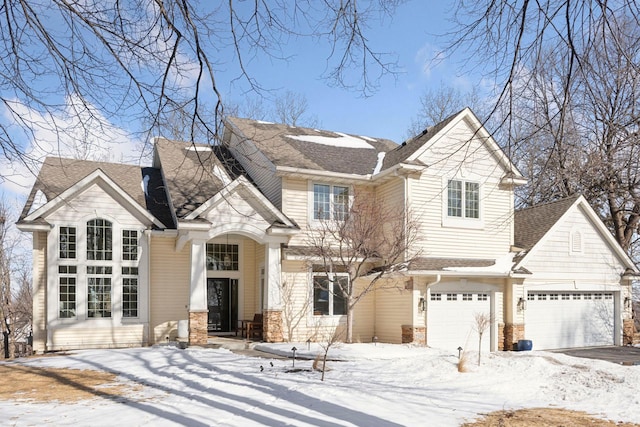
[99, 240]
[129, 291]
[129, 245]
[67, 291]
[463, 199]
[330, 202]
[67, 242]
[99, 291]
[222, 257]
[328, 294]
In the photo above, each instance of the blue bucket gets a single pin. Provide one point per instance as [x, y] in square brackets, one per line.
[525, 345]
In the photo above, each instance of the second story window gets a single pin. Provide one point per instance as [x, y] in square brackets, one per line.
[330, 202]
[463, 199]
[99, 240]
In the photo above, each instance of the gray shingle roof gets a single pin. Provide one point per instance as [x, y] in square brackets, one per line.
[286, 146]
[189, 173]
[58, 174]
[531, 224]
[435, 264]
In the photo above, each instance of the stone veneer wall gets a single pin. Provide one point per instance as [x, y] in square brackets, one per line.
[198, 328]
[501, 337]
[272, 326]
[513, 332]
[414, 335]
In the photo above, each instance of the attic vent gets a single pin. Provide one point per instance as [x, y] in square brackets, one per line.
[576, 241]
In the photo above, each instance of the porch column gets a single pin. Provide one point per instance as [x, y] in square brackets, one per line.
[198, 309]
[272, 309]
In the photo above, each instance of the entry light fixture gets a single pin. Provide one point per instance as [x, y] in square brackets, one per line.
[627, 303]
[521, 304]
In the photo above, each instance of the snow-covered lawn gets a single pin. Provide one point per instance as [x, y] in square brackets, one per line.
[383, 385]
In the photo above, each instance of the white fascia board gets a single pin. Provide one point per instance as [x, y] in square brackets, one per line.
[194, 226]
[33, 227]
[454, 273]
[93, 178]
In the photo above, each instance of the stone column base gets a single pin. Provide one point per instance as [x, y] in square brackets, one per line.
[513, 332]
[198, 327]
[628, 331]
[414, 335]
[501, 340]
[272, 325]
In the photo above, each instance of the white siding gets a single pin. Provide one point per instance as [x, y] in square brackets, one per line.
[295, 194]
[170, 271]
[259, 168]
[39, 291]
[393, 308]
[554, 264]
[455, 157]
[95, 202]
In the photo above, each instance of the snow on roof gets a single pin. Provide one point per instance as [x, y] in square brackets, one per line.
[381, 155]
[503, 264]
[39, 200]
[343, 140]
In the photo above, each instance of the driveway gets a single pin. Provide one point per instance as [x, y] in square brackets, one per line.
[619, 355]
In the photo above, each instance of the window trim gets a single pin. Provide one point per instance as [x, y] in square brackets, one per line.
[311, 201]
[68, 275]
[331, 301]
[75, 243]
[461, 221]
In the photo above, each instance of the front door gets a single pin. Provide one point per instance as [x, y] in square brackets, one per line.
[222, 301]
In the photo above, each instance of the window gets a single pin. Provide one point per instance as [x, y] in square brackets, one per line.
[608, 296]
[542, 297]
[531, 297]
[99, 240]
[463, 199]
[553, 297]
[98, 291]
[328, 294]
[129, 291]
[597, 296]
[67, 242]
[330, 202]
[482, 297]
[129, 245]
[565, 296]
[436, 297]
[467, 297]
[222, 257]
[576, 296]
[67, 291]
[587, 296]
[452, 297]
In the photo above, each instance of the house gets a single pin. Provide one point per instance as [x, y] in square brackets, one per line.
[208, 236]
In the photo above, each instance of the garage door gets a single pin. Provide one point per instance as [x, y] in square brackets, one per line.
[569, 319]
[451, 320]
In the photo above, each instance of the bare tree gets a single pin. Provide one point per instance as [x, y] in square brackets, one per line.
[438, 104]
[137, 59]
[366, 242]
[327, 339]
[482, 323]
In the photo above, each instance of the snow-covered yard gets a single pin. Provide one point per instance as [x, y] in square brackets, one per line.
[383, 385]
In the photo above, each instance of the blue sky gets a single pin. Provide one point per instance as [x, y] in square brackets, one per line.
[409, 34]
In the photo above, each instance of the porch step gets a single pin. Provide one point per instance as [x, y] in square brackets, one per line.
[232, 344]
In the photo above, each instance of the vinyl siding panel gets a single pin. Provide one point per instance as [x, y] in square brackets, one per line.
[457, 158]
[393, 308]
[39, 291]
[97, 337]
[250, 279]
[259, 168]
[297, 305]
[169, 299]
[554, 259]
[295, 194]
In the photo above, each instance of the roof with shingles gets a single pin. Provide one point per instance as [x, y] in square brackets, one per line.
[189, 171]
[435, 264]
[531, 224]
[59, 174]
[285, 146]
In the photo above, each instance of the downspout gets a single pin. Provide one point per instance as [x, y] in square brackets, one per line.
[426, 291]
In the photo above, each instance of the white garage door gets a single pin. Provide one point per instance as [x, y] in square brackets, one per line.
[569, 319]
[451, 320]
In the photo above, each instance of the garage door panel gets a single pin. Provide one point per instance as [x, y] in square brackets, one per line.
[451, 320]
[569, 319]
